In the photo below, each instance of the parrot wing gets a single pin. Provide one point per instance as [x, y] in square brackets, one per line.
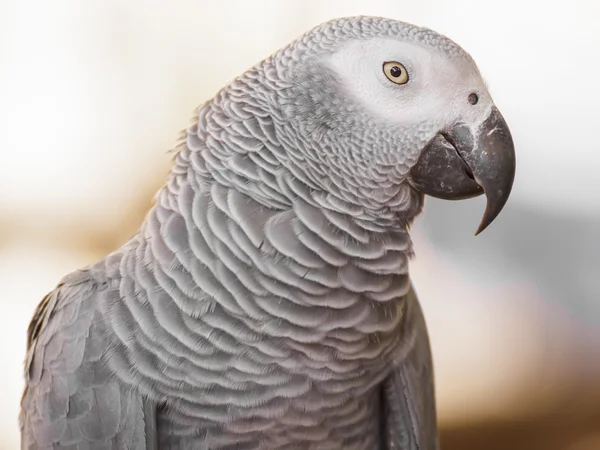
[409, 414]
[71, 400]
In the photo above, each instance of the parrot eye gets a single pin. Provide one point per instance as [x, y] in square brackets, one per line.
[395, 72]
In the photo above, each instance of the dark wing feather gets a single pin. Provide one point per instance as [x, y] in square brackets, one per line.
[409, 411]
[71, 399]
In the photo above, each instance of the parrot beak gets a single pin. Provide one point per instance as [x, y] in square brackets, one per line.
[462, 162]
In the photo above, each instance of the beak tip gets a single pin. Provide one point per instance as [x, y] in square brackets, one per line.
[495, 204]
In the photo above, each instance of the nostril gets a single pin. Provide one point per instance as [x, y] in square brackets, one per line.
[473, 98]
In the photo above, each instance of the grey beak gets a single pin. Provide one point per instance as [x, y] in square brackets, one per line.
[462, 163]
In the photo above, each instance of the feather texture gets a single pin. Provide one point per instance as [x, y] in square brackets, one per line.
[408, 405]
[265, 299]
[72, 400]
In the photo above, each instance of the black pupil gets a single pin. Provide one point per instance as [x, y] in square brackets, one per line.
[473, 98]
[395, 71]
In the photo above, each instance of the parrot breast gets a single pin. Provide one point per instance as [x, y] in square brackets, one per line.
[250, 306]
[256, 318]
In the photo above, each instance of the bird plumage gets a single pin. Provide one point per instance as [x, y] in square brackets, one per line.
[265, 302]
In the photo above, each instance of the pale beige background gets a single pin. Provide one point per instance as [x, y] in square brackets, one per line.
[92, 94]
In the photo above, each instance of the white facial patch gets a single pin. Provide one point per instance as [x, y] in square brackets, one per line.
[437, 90]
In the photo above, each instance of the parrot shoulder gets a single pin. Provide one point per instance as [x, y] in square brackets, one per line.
[64, 314]
[71, 397]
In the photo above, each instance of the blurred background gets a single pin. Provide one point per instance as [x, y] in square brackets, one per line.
[93, 93]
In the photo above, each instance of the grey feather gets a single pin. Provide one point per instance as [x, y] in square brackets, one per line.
[408, 393]
[72, 399]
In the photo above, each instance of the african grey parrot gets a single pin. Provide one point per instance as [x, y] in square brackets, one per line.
[265, 302]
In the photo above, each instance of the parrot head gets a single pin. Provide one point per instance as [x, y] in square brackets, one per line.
[385, 111]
